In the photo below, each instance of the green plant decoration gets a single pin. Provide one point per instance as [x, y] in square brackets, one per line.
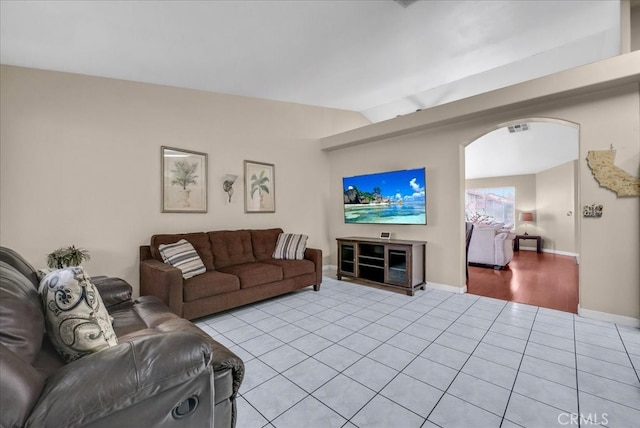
[259, 184]
[184, 174]
[67, 256]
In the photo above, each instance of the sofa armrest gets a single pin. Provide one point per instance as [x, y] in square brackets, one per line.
[503, 248]
[144, 378]
[113, 291]
[163, 281]
[315, 256]
[224, 359]
[503, 236]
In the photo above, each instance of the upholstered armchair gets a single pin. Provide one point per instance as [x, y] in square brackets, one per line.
[491, 247]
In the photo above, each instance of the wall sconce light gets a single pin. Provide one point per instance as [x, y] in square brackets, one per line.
[526, 217]
[227, 184]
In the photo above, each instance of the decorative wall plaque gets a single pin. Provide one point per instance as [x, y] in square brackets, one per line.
[610, 176]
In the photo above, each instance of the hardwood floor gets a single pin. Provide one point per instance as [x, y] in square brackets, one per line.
[541, 279]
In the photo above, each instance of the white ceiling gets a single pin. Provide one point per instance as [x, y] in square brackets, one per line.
[500, 153]
[370, 56]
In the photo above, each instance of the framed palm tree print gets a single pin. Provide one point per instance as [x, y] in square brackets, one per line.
[184, 181]
[260, 190]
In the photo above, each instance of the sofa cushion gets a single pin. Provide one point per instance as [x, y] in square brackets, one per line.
[77, 321]
[264, 242]
[231, 247]
[183, 256]
[209, 284]
[21, 318]
[200, 242]
[21, 386]
[290, 246]
[252, 274]
[292, 268]
[18, 262]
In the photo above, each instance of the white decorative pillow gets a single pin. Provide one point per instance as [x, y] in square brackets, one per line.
[182, 255]
[290, 246]
[76, 319]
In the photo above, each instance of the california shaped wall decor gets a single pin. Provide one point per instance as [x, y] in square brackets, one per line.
[610, 176]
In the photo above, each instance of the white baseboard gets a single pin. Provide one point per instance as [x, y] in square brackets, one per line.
[449, 288]
[560, 253]
[604, 316]
[548, 250]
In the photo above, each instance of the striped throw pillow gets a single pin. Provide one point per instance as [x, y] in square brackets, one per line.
[290, 246]
[182, 255]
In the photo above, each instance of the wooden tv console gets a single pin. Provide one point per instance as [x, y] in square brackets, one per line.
[390, 262]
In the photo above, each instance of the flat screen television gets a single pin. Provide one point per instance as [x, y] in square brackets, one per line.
[392, 197]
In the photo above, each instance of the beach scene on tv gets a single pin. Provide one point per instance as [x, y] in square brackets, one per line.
[395, 197]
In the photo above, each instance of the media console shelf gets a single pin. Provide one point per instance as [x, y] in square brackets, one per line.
[390, 262]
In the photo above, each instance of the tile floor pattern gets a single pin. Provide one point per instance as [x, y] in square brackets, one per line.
[356, 356]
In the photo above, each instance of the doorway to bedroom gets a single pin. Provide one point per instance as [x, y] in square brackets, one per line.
[535, 160]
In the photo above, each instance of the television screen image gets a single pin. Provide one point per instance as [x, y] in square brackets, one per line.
[392, 197]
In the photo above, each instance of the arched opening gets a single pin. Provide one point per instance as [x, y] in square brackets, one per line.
[521, 195]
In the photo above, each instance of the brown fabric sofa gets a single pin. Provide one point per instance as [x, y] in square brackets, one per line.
[240, 270]
[164, 371]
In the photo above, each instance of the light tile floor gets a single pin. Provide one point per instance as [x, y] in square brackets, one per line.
[356, 356]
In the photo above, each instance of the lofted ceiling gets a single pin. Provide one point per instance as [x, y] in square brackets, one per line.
[370, 56]
[376, 57]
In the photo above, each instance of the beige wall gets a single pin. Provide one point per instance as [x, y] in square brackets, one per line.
[609, 246]
[555, 208]
[525, 186]
[635, 28]
[420, 150]
[80, 163]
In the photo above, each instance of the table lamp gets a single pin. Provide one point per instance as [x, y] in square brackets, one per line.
[526, 217]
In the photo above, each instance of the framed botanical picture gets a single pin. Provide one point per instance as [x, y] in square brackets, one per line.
[260, 190]
[184, 181]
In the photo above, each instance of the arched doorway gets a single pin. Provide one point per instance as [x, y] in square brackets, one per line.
[521, 178]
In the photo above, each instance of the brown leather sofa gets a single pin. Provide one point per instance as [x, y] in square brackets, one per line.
[164, 371]
[240, 270]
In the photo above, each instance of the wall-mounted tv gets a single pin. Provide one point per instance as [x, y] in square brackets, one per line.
[392, 197]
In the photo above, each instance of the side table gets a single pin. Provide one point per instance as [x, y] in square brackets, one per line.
[516, 242]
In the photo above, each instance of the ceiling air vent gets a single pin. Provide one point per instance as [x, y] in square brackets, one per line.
[405, 3]
[520, 127]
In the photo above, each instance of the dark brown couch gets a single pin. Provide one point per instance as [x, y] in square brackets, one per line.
[164, 371]
[240, 270]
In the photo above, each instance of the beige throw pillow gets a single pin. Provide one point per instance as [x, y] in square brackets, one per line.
[76, 319]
